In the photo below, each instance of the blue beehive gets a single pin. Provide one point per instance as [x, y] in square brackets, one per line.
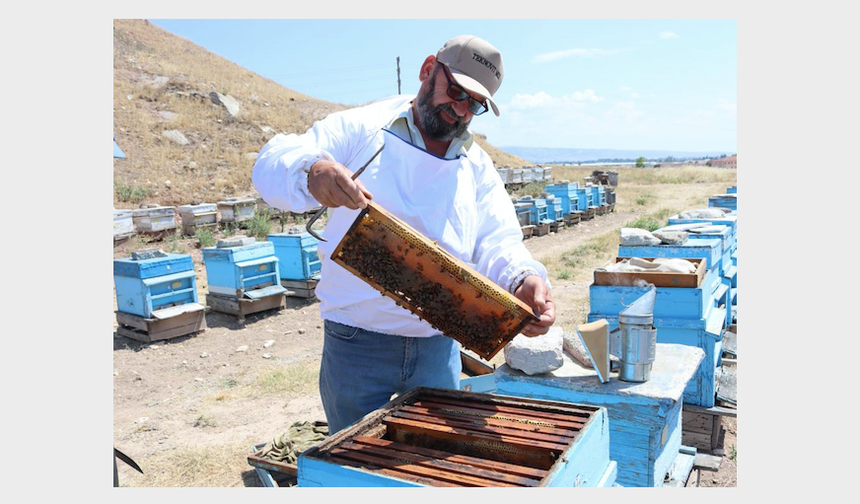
[297, 255]
[152, 280]
[554, 211]
[644, 418]
[597, 195]
[567, 194]
[249, 269]
[726, 220]
[728, 269]
[431, 437]
[537, 209]
[709, 249]
[686, 316]
[732, 190]
[724, 201]
[523, 213]
[585, 199]
[542, 211]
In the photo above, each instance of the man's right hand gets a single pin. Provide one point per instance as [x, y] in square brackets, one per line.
[332, 185]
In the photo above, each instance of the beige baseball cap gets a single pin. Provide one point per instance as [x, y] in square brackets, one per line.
[475, 64]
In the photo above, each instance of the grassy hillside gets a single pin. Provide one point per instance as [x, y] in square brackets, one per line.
[162, 83]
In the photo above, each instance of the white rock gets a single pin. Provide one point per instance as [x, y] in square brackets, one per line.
[228, 102]
[142, 419]
[671, 237]
[243, 348]
[176, 136]
[268, 343]
[702, 213]
[267, 356]
[204, 355]
[539, 354]
[198, 380]
[635, 236]
[301, 331]
[154, 347]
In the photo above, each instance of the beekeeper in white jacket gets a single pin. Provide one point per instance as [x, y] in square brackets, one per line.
[435, 177]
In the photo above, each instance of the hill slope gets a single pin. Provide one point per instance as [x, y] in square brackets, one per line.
[162, 83]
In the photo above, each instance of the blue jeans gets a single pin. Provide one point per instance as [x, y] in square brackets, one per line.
[361, 370]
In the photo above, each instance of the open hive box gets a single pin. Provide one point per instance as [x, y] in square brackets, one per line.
[436, 437]
[424, 278]
[657, 278]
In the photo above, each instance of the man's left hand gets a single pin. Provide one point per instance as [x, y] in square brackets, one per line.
[534, 292]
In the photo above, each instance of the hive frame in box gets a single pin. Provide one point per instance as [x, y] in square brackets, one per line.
[436, 437]
[433, 275]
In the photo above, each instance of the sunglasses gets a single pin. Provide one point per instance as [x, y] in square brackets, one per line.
[457, 93]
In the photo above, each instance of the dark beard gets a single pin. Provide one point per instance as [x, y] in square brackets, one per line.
[434, 126]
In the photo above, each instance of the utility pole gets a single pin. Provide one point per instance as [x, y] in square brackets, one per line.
[398, 75]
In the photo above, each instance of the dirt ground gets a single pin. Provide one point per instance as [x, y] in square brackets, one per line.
[189, 410]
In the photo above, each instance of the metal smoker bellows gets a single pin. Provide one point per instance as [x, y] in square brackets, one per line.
[425, 279]
[638, 338]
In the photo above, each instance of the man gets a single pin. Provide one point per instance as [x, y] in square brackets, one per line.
[435, 177]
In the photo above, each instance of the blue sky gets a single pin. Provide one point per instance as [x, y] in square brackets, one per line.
[608, 84]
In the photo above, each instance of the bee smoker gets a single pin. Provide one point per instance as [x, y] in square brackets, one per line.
[638, 338]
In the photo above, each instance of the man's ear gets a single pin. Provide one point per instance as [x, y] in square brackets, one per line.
[427, 68]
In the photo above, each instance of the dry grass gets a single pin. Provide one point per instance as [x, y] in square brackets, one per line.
[285, 381]
[191, 466]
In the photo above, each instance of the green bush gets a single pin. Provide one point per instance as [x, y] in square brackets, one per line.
[641, 201]
[205, 238]
[259, 227]
[647, 223]
[563, 274]
[130, 194]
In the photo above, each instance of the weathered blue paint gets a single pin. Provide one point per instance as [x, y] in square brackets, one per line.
[586, 463]
[704, 333]
[671, 302]
[145, 286]
[567, 194]
[732, 190]
[723, 202]
[709, 249]
[484, 384]
[297, 255]
[687, 316]
[230, 271]
[644, 418]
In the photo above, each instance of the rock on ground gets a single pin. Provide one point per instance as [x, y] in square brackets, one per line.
[228, 102]
[176, 136]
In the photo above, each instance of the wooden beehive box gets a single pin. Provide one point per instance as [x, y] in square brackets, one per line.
[657, 278]
[448, 438]
[425, 279]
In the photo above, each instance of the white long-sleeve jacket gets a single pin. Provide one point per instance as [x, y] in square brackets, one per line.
[460, 203]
